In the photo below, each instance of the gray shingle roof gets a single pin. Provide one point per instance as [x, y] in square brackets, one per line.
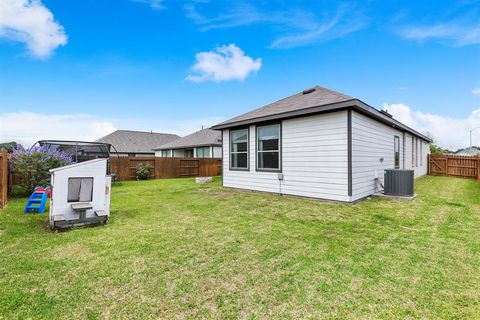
[318, 97]
[205, 137]
[126, 141]
[311, 101]
[470, 151]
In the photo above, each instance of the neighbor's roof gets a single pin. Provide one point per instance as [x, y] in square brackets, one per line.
[310, 101]
[205, 137]
[470, 151]
[126, 141]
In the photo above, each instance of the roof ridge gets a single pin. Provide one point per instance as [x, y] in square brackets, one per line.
[339, 94]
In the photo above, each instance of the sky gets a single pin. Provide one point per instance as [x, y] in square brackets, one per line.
[81, 69]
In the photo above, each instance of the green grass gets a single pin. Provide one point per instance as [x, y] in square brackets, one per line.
[173, 249]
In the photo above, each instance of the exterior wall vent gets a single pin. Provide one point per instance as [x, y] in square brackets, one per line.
[399, 182]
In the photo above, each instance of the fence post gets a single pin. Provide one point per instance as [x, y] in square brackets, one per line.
[3, 178]
[478, 168]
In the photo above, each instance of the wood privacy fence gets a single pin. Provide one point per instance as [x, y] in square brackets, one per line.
[455, 166]
[3, 178]
[125, 167]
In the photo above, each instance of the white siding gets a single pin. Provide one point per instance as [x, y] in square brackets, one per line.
[101, 198]
[419, 165]
[372, 140]
[314, 163]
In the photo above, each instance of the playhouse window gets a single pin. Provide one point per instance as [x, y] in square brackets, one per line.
[80, 189]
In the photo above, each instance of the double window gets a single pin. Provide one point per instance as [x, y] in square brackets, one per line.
[396, 147]
[239, 149]
[203, 152]
[268, 148]
[165, 153]
[80, 189]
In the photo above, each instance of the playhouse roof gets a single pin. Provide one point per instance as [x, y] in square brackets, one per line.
[78, 164]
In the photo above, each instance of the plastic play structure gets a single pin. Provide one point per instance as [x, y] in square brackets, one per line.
[38, 200]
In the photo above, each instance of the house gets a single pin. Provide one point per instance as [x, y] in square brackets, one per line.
[318, 143]
[470, 151]
[80, 194]
[136, 143]
[206, 143]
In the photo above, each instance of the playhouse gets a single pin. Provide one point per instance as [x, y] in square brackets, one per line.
[80, 194]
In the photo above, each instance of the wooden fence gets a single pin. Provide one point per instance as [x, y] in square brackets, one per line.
[125, 167]
[3, 178]
[455, 166]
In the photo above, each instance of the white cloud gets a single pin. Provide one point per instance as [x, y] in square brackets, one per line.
[454, 33]
[30, 22]
[296, 27]
[223, 64]
[448, 132]
[476, 91]
[154, 4]
[28, 127]
[336, 27]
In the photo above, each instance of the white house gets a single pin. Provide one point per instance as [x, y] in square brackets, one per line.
[80, 194]
[206, 143]
[318, 143]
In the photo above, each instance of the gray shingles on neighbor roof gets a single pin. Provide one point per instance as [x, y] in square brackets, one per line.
[205, 137]
[126, 141]
[310, 101]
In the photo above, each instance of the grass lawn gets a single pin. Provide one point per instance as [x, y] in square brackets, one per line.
[173, 249]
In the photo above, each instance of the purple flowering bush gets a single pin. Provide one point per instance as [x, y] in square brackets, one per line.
[33, 164]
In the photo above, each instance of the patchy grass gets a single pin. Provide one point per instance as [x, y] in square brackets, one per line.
[173, 249]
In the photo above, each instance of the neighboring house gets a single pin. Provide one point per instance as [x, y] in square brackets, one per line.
[137, 143]
[470, 151]
[318, 143]
[206, 143]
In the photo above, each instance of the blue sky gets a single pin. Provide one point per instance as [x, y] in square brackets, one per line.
[78, 69]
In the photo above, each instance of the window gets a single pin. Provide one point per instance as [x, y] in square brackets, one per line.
[203, 152]
[239, 149]
[421, 153]
[396, 147]
[413, 151]
[268, 147]
[416, 152]
[188, 153]
[80, 189]
[165, 153]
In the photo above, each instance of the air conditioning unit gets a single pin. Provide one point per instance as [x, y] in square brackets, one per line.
[399, 182]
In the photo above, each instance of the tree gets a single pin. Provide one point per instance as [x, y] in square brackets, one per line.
[33, 164]
[434, 149]
[9, 146]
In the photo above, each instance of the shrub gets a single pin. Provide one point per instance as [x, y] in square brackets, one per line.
[19, 191]
[33, 165]
[143, 171]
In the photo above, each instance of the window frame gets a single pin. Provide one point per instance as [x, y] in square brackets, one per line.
[413, 152]
[165, 153]
[203, 155]
[395, 140]
[91, 195]
[189, 150]
[257, 127]
[230, 142]
[416, 152]
[421, 153]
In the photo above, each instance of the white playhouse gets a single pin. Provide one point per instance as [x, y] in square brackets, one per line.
[80, 194]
